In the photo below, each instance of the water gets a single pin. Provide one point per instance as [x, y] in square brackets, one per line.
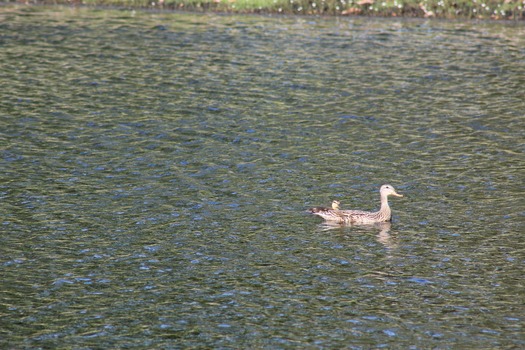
[156, 168]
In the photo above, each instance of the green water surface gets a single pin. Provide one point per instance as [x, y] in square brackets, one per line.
[156, 169]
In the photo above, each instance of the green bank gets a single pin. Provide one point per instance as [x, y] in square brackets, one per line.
[471, 9]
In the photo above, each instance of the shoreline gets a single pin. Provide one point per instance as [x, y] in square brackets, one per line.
[509, 10]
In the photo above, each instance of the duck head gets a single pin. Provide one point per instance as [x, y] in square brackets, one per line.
[388, 190]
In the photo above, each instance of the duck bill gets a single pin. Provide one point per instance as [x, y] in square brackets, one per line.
[397, 194]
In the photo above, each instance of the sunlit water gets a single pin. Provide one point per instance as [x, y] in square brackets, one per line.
[156, 169]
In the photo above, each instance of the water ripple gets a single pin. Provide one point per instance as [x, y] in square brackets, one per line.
[157, 167]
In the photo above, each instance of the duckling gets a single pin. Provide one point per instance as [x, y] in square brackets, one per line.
[335, 206]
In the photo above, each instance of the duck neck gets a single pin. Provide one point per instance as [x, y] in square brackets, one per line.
[385, 208]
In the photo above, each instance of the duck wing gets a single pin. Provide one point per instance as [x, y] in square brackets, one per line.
[360, 217]
[354, 212]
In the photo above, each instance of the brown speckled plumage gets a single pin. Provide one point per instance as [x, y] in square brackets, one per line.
[357, 216]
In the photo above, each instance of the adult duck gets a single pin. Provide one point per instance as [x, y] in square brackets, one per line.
[357, 216]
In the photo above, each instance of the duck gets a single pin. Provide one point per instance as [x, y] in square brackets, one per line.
[335, 204]
[384, 214]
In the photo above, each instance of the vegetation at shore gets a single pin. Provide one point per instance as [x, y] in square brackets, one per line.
[471, 9]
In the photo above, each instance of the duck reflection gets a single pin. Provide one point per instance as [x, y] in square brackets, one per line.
[382, 228]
